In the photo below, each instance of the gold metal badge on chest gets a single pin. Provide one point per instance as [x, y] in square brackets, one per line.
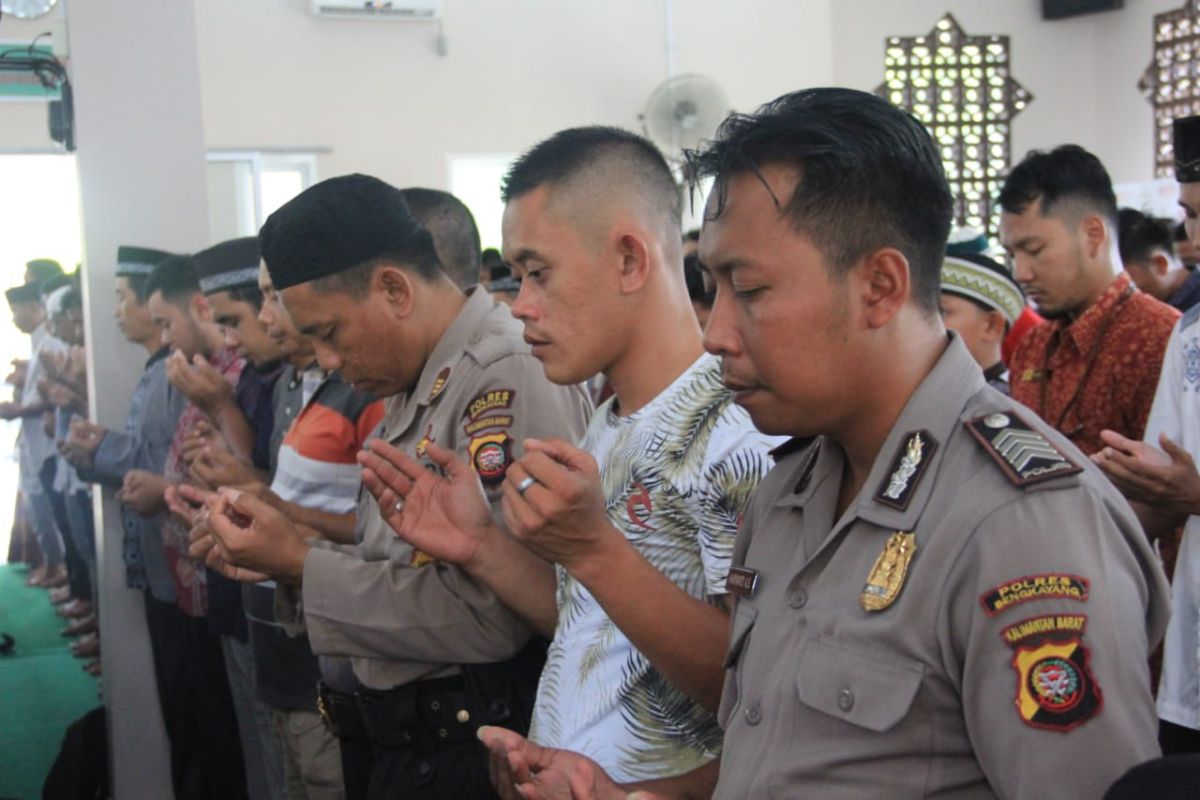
[887, 576]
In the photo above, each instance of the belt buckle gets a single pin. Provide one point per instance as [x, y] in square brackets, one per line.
[326, 714]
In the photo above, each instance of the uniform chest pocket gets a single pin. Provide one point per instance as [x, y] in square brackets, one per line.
[869, 691]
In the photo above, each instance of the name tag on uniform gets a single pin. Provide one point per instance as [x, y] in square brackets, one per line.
[742, 581]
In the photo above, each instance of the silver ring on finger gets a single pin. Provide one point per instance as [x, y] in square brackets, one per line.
[398, 506]
[524, 485]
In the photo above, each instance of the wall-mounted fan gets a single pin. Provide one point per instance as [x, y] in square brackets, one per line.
[684, 111]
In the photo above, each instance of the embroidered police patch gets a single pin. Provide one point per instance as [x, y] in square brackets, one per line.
[1033, 587]
[1044, 626]
[488, 402]
[1055, 687]
[490, 457]
[908, 465]
[1024, 455]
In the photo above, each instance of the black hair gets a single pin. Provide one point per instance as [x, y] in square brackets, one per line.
[870, 177]
[694, 277]
[175, 277]
[137, 284]
[1140, 235]
[247, 294]
[1179, 233]
[570, 152]
[1066, 173]
[420, 258]
[692, 236]
[455, 235]
[490, 258]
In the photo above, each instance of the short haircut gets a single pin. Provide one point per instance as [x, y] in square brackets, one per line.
[175, 277]
[491, 258]
[455, 235]
[870, 177]
[1140, 235]
[245, 294]
[573, 152]
[356, 281]
[137, 284]
[1066, 174]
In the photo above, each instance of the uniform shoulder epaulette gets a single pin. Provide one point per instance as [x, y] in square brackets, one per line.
[1023, 454]
[494, 343]
[1189, 318]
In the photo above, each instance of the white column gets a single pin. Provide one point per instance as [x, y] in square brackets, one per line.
[141, 172]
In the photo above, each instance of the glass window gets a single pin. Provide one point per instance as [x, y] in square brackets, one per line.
[1172, 81]
[962, 88]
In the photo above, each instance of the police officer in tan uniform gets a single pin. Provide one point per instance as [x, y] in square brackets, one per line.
[434, 653]
[938, 595]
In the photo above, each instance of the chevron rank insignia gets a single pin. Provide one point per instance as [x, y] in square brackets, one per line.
[1023, 454]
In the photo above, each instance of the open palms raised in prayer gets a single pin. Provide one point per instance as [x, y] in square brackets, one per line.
[446, 517]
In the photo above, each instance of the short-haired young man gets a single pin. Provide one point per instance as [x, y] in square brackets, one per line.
[1148, 253]
[640, 516]
[209, 728]
[937, 595]
[1094, 363]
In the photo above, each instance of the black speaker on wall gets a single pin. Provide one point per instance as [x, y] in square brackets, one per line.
[1061, 9]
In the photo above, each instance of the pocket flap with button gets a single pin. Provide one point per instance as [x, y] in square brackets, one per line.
[873, 692]
[739, 632]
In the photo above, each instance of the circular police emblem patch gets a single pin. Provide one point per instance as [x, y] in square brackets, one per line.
[490, 457]
[1056, 684]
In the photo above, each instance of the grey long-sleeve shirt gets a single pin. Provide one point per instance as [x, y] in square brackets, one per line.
[149, 428]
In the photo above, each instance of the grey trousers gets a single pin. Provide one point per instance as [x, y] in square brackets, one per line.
[264, 764]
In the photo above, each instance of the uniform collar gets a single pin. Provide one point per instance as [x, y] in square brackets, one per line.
[1084, 329]
[932, 412]
[905, 471]
[464, 331]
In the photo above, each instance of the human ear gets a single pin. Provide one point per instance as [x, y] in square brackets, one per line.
[886, 284]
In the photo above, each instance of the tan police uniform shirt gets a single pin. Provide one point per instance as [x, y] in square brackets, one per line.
[1005, 655]
[398, 616]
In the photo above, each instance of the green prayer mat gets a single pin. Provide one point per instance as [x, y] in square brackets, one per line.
[43, 688]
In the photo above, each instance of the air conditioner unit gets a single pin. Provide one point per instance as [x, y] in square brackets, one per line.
[412, 10]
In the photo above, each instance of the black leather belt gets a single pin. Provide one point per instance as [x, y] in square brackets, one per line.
[339, 712]
[416, 715]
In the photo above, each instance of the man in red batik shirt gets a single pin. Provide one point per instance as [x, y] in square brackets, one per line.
[1094, 363]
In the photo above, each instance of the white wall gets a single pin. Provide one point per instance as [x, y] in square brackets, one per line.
[142, 181]
[380, 98]
[1082, 72]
